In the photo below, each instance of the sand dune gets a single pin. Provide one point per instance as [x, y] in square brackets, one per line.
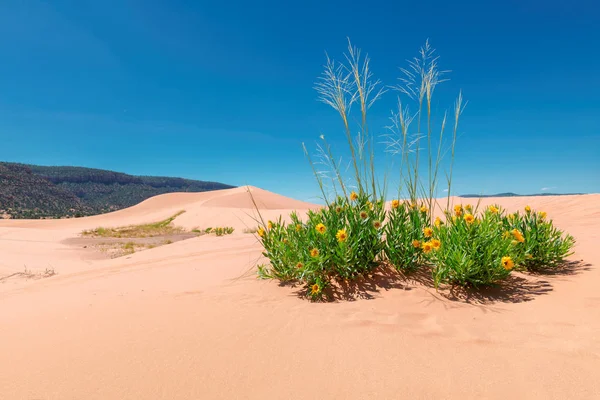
[191, 321]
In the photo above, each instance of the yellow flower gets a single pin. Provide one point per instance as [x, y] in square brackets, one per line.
[514, 243]
[468, 207]
[469, 218]
[395, 203]
[458, 210]
[507, 263]
[493, 209]
[518, 235]
[285, 241]
[261, 232]
[338, 209]
[412, 206]
[543, 214]
[353, 196]
[428, 232]
[376, 224]
[416, 244]
[423, 209]
[299, 265]
[427, 247]
[270, 225]
[527, 209]
[364, 215]
[321, 228]
[341, 235]
[438, 222]
[298, 227]
[314, 252]
[436, 244]
[454, 218]
[506, 235]
[370, 205]
[315, 289]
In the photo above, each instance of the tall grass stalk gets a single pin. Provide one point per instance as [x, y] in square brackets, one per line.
[341, 86]
[418, 83]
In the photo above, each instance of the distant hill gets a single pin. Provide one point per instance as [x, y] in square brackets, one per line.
[509, 194]
[33, 191]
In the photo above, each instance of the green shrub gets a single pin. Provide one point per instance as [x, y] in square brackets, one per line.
[545, 246]
[352, 234]
[340, 241]
[404, 235]
[472, 250]
[221, 231]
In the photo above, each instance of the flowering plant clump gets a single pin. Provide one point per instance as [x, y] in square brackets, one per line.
[545, 247]
[406, 230]
[340, 241]
[474, 250]
[353, 233]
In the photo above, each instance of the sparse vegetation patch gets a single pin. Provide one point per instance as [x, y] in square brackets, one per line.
[354, 233]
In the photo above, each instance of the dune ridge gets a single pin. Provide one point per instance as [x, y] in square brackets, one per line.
[190, 320]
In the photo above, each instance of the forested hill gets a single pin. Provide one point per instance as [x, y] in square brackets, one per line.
[33, 191]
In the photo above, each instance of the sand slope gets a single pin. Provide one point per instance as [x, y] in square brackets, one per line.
[190, 320]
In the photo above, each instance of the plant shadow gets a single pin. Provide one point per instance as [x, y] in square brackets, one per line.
[364, 287]
[567, 268]
[517, 288]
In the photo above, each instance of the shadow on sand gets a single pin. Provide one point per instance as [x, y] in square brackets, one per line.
[364, 287]
[518, 288]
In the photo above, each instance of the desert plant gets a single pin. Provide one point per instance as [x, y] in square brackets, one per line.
[221, 231]
[340, 241]
[159, 228]
[411, 135]
[344, 239]
[405, 230]
[353, 233]
[472, 249]
[545, 246]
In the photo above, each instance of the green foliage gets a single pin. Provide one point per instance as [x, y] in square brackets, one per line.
[221, 231]
[404, 234]
[351, 235]
[30, 191]
[545, 246]
[474, 249]
[26, 195]
[341, 241]
[153, 229]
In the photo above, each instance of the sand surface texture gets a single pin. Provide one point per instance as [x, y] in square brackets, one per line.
[189, 320]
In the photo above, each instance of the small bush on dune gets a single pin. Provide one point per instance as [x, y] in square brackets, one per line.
[353, 234]
[407, 227]
[472, 249]
[340, 241]
[222, 231]
[545, 247]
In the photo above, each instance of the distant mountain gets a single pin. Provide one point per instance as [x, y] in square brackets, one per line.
[509, 194]
[33, 191]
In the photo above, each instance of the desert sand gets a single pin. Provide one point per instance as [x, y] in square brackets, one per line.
[190, 320]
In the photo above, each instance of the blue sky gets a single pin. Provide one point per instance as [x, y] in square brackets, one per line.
[224, 91]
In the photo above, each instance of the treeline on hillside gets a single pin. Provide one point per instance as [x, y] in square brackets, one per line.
[32, 191]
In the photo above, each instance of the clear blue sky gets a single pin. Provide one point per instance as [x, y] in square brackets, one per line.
[223, 91]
